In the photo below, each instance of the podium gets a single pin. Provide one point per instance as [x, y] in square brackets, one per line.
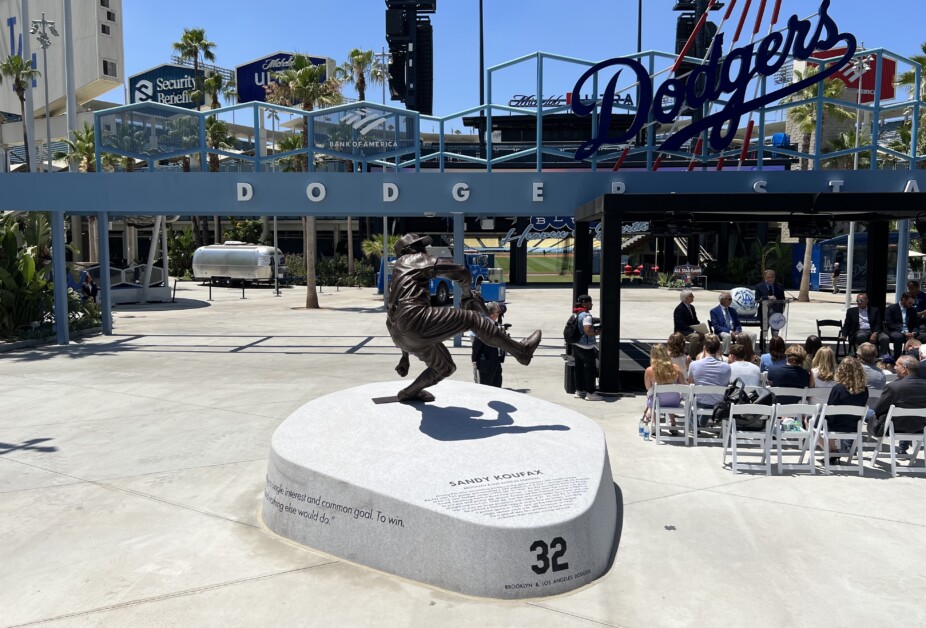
[773, 317]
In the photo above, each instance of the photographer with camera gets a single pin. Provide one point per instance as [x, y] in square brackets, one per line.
[487, 360]
[585, 351]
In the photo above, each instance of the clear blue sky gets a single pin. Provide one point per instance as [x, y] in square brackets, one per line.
[587, 29]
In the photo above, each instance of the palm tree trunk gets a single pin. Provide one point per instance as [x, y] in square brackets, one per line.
[804, 295]
[311, 296]
[350, 246]
[92, 240]
[197, 233]
[217, 226]
[805, 148]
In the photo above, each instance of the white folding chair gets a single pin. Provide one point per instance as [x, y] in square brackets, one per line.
[918, 440]
[733, 437]
[817, 395]
[857, 437]
[696, 414]
[661, 414]
[799, 393]
[807, 414]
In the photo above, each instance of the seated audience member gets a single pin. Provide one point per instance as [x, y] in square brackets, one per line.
[711, 371]
[868, 356]
[864, 324]
[792, 374]
[661, 370]
[746, 341]
[912, 348]
[726, 322]
[886, 364]
[684, 319]
[919, 297]
[850, 389]
[811, 346]
[909, 391]
[824, 373]
[901, 323]
[676, 348]
[740, 368]
[775, 355]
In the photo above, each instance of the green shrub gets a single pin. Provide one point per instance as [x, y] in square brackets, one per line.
[180, 248]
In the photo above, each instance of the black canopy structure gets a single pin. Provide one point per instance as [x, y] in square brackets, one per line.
[690, 211]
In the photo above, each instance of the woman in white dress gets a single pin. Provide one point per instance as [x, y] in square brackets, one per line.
[824, 374]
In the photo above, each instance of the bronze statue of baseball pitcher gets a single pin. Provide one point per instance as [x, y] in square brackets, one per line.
[419, 329]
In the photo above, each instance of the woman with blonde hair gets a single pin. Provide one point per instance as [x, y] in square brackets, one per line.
[824, 372]
[851, 389]
[662, 371]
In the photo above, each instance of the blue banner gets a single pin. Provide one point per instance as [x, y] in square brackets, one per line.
[253, 77]
[166, 84]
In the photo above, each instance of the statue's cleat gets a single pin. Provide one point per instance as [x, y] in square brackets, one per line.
[421, 395]
[529, 345]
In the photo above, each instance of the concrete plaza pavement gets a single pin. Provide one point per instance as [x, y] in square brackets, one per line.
[132, 471]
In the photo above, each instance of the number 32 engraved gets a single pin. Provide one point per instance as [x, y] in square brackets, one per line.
[544, 560]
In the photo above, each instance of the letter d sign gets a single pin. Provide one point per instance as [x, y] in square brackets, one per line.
[390, 192]
[245, 192]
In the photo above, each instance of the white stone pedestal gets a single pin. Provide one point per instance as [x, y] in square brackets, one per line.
[485, 491]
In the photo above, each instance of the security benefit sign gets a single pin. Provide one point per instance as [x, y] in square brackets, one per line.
[720, 78]
[166, 84]
[253, 77]
[365, 132]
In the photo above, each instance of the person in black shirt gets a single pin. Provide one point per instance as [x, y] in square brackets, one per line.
[851, 389]
[487, 360]
[791, 375]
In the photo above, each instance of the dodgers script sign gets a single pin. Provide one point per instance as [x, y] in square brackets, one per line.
[724, 75]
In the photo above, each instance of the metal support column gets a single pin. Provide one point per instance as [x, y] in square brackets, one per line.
[59, 269]
[106, 300]
[609, 299]
[876, 283]
[152, 251]
[583, 253]
[459, 225]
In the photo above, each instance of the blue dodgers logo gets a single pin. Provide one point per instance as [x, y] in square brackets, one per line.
[728, 75]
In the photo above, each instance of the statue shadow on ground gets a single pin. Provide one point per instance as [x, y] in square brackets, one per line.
[455, 423]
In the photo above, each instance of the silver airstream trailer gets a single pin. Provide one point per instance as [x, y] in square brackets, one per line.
[238, 261]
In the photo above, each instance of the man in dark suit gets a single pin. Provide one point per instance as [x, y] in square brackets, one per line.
[769, 291]
[487, 360]
[684, 319]
[909, 391]
[726, 322]
[863, 324]
[901, 322]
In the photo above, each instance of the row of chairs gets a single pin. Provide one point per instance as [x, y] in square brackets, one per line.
[688, 423]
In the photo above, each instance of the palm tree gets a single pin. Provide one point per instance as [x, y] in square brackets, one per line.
[21, 73]
[846, 141]
[359, 65]
[218, 137]
[908, 79]
[81, 149]
[804, 115]
[129, 139]
[213, 85]
[302, 83]
[194, 46]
